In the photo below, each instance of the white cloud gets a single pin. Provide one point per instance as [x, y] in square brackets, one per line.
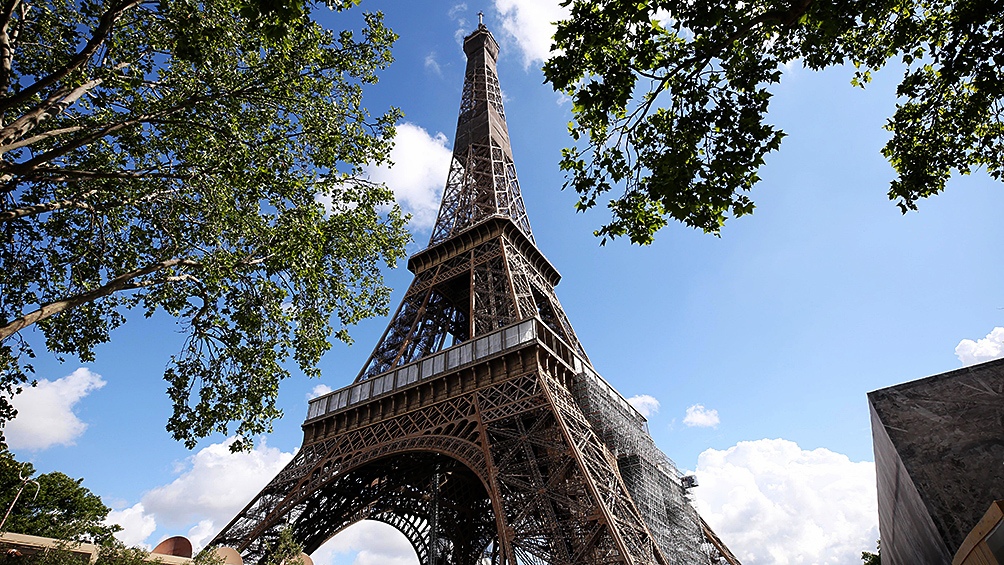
[319, 390]
[531, 24]
[374, 543]
[645, 404]
[137, 524]
[213, 486]
[991, 347]
[418, 174]
[458, 14]
[809, 507]
[700, 417]
[202, 533]
[457, 10]
[45, 412]
[432, 65]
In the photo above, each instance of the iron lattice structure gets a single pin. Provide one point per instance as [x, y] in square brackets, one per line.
[478, 427]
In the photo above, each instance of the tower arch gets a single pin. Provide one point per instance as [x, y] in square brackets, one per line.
[435, 500]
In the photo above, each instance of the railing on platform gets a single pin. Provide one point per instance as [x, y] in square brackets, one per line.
[452, 358]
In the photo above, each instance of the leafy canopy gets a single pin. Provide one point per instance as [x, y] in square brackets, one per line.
[670, 97]
[199, 158]
[114, 553]
[285, 550]
[51, 505]
[869, 558]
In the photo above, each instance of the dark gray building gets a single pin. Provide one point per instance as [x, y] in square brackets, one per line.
[939, 457]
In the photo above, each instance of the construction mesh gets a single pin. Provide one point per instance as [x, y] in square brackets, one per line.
[650, 477]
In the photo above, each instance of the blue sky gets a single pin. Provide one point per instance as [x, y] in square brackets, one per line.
[752, 353]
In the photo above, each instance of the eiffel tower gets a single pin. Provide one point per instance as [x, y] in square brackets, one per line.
[478, 427]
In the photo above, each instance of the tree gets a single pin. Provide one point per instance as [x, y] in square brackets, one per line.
[285, 551]
[869, 558]
[199, 158]
[670, 97]
[113, 553]
[58, 508]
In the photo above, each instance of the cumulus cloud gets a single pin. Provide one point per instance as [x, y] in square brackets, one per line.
[374, 543]
[531, 24]
[319, 390]
[45, 412]
[211, 488]
[216, 483]
[202, 533]
[991, 347]
[809, 506]
[418, 174]
[700, 417]
[137, 524]
[645, 404]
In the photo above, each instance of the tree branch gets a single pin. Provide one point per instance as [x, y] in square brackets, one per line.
[78, 203]
[32, 164]
[101, 33]
[40, 137]
[121, 282]
[702, 57]
[64, 175]
[54, 105]
[152, 282]
[37, 209]
[7, 44]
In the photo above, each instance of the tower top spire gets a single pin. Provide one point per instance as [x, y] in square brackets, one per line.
[481, 270]
[482, 180]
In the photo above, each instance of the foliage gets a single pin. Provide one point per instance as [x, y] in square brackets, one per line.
[670, 97]
[198, 158]
[869, 558]
[118, 554]
[286, 550]
[61, 509]
[58, 556]
[53, 506]
[109, 554]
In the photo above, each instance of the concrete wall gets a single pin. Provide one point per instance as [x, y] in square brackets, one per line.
[939, 457]
[907, 532]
